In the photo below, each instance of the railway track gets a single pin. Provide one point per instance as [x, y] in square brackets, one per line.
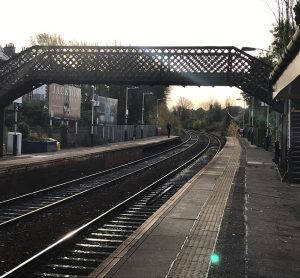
[81, 251]
[16, 209]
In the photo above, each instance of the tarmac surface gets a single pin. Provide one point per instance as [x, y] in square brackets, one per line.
[272, 219]
[236, 208]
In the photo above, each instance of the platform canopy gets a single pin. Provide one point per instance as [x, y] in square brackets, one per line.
[285, 78]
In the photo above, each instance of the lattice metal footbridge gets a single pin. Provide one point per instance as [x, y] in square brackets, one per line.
[200, 66]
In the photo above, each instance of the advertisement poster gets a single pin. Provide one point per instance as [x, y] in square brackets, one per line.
[64, 101]
[107, 110]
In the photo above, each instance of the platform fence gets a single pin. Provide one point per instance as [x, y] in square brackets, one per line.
[71, 136]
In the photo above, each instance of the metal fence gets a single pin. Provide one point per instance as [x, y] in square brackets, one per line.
[72, 136]
[105, 134]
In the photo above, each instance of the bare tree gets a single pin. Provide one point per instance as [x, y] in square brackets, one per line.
[284, 27]
[184, 103]
[282, 10]
[47, 39]
[55, 39]
[207, 104]
[229, 101]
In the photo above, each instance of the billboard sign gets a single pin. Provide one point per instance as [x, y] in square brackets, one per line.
[64, 101]
[107, 110]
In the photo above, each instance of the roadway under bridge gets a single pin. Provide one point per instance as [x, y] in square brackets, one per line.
[195, 66]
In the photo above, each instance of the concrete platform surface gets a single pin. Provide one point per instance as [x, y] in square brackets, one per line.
[10, 161]
[178, 239]
[272, 219]
[236, 207]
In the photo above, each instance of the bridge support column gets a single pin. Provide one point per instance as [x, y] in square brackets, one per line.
[1, 130]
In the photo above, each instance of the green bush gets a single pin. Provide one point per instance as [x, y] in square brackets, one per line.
[24, 129]
[64, 136]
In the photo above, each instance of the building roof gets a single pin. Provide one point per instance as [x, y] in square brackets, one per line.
[288, 56]
[3, 56]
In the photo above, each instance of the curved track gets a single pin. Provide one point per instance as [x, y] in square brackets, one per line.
[15, 209]
[82, 250]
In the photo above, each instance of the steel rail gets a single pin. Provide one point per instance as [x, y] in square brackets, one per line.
[163, 192]
[219, 142]
[71, 237]
[76, 195]
[92, 175]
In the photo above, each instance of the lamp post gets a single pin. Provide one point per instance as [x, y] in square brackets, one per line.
[267, 142]
[65, 118]
[252, 120]
[51, 115]
[107, 89]
[243, 113]
[268, 113]
[126, 112]
[15, 138]
[157, 100]
[92, 121]
[267, 137]
[107, 111]
[142, 129]
[247, 48]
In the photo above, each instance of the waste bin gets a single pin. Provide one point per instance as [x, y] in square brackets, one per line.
[14, 147]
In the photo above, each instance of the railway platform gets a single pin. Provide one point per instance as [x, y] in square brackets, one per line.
[235, 218]
[10, 161]
[23, 173]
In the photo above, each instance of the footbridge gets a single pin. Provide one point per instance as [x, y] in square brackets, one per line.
[198, 66]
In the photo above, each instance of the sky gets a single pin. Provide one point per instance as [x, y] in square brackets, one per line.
[145, 23]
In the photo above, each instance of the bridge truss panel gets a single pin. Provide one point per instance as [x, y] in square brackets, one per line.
[200, 66]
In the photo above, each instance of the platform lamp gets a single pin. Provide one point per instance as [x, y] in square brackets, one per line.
[126, 112]
[143, 103]
[157, 100]
[15, 136]
[267, 138]
[51, 116]
[243, 113]
[252, 120]
[247, 48]
[92, 121]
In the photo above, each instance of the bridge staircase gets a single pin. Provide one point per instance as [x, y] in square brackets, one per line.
[295, 148]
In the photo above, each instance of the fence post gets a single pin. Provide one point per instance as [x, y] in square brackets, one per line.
[1, 130]
[277, 152]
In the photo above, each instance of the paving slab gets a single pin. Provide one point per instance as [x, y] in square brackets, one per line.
[182, 234]
[273, 219]
[260, 233]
